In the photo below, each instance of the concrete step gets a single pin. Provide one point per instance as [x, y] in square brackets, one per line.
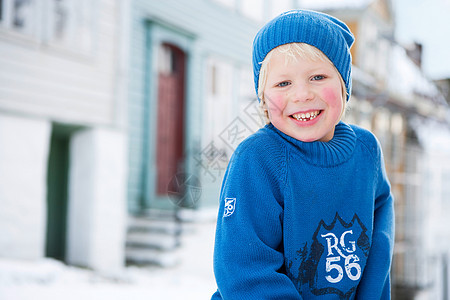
[144, 224]
[145, 256]
[153, 239]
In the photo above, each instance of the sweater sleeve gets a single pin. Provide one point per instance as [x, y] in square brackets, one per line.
[375, 282]
[248, 254]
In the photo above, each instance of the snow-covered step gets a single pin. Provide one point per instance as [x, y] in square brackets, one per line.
[153, 240]
[145, 256]
[144, 224]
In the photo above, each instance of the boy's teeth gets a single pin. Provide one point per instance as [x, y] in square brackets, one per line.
[306, 117]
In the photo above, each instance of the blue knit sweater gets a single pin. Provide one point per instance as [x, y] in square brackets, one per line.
[305, 220]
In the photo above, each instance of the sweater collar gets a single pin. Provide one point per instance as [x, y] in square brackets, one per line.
[334, 152]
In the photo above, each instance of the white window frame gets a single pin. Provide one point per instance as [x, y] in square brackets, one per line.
[218, 107]
[77, 20]
[79, 37]
[31, 28]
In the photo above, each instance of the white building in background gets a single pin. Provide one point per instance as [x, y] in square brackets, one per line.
[423, 245]
[63, 150]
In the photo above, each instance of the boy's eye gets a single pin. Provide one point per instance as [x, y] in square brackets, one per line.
[283, 84]
[318, 77]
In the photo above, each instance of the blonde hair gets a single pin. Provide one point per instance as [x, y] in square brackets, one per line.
[291, 52]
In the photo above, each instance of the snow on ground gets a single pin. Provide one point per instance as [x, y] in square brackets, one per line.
[50, 279]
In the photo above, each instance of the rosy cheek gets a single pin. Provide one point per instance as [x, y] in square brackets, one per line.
[274, 103]
[330, 96]
[335, 103]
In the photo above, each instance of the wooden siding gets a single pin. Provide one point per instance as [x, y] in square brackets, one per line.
[46, 81]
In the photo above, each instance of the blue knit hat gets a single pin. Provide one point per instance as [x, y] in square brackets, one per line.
[320, 30]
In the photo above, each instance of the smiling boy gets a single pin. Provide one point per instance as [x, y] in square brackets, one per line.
[305, 210]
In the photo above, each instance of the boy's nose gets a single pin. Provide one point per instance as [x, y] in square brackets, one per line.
[303, 93]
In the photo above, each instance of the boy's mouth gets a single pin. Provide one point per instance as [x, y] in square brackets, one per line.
[306, 116]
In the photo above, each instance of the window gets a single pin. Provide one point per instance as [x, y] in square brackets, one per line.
[220, 75]
[218, 106]
[1, 10]
[61, 20]
[69, 24]
[167, 61]
[23, 15]
[397, 140]
[19, 15]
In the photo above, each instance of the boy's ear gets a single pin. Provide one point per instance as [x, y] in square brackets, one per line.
[264, 110]
[264, 104]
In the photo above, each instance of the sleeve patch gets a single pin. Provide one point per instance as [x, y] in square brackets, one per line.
[230, 206]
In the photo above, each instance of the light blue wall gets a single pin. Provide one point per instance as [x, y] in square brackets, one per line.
[202, 28]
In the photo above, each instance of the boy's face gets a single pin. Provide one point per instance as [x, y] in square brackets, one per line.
[303, 97]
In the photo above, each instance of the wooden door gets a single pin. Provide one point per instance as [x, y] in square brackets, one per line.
[170, 123]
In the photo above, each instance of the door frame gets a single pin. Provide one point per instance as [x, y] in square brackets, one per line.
[57, 182]
[159, 32]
